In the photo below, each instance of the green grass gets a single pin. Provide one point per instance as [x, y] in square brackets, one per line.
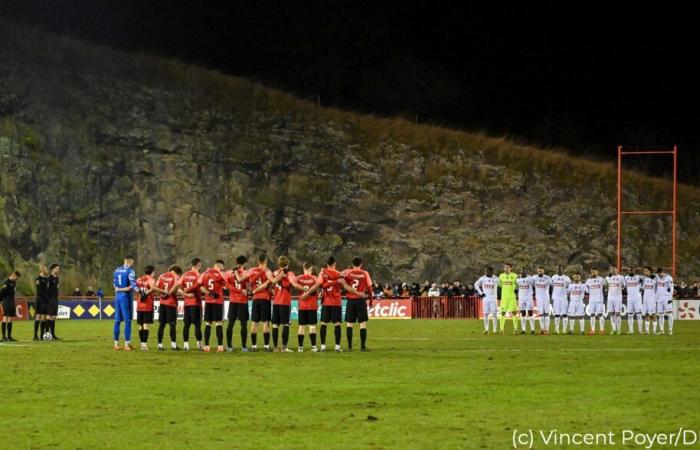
[430, 384]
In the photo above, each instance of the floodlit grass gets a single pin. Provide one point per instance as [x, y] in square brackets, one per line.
[426, 384]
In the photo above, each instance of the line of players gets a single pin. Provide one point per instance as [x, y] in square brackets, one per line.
[648, 296]
[271, 294]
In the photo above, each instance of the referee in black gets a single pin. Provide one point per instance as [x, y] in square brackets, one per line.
[9, 311]
[52, 306]
[42, 301]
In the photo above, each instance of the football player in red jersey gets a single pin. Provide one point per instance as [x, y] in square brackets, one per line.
[236, 282]
[308, 307]
[260, 278]
[167, 285]
[212, 284]
[189, 284]
[330, 280]
[144, 306]
[356, 310]
[284, 280]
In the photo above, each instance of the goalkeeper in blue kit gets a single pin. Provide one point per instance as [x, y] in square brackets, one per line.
[124, 288]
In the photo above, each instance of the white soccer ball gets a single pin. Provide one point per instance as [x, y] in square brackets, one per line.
[48, 336]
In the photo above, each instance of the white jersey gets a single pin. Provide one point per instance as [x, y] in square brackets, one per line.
[595, 289]
[560, 283]
[577, 291]
[664, 287]
[634, 288]
[525, 285]
[487, 286]
[649, 289]
[615, 285]
[542, 284]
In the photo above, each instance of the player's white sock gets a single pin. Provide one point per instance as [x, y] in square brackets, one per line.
[670, 322]
[582, 323]
[547, 321]
[160, 345]
[267, 346]
[186, 345]
[593, 323]
[654, 324]
[601, 321]
[495, 323]
[523, 323]
[116, 343]
[630, 323]
[566, 323]
[532, 323]
[144, 345]
[199, 345]
[323, 346]
[173, 344]
[661, 323]
[556, 324]
[619, 323]
[337, 346]
[639, 323]
[543, 322]
[646, 325]
[486, 322]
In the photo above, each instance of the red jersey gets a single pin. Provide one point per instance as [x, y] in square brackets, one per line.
[189, 283]
[328, 278]
[283, 290]
[145, 304]
[166, 282]
[311, 302]
[213, 281]
[359, 280]
[238, 290]
[258, 276]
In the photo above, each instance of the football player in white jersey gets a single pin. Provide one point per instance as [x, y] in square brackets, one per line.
[596, 284]
[487, 288]
[542, 284]
[616, 283]
[664, 297]
[525, 288]
[561, 305]
[649, 299]
[577, 291]
[633, 282]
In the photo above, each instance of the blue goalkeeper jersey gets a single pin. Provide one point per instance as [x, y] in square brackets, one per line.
[125, 277]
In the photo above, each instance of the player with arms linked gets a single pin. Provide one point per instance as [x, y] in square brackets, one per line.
[124, 288]
[356, 309]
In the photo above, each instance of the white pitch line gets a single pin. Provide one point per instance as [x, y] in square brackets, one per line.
[13, 345]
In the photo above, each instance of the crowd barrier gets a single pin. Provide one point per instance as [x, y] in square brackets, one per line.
[77, 308]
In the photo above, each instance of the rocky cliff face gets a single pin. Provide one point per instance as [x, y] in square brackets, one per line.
[103, 152]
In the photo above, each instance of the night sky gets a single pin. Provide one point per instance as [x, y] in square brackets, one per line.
[582, 76]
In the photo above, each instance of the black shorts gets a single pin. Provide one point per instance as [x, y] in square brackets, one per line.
[8, 308]
[261, 310]
[144, 317]
[167, 314]
[193, 314]
[213, 312]
[356, 311]
[41, 306]
[308, 317]
[238, 311]
[331, 314]
[52, 307]
[281, 314]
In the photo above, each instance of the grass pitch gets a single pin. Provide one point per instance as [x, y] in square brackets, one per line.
[426, 384]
